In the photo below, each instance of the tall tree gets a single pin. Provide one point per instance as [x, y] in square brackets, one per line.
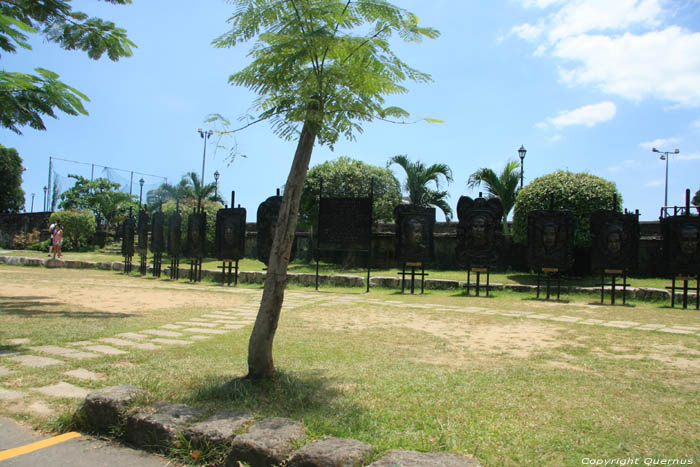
[100, 196]
[11, 192]
[321, 68]
[418, 178]
[26, 98]
[696, 199]
[503, 186]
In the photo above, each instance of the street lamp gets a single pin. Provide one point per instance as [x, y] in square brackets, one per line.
[664, 157]
[521, 154]
[45, 198]
[216, 177]
[141, 182]
[32, 202]
[205, 136]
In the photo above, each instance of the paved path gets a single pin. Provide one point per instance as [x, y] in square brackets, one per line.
[17, 443]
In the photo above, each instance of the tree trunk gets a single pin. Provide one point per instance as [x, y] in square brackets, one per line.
[260, 363]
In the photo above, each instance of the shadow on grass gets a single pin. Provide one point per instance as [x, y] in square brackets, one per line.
[35, 307]
[285, 395]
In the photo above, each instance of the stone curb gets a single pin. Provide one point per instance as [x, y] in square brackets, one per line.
[271, 441]
[341, 280]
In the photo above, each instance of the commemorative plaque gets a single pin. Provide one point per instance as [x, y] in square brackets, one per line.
[157, 233]
[196, 234]
[414, 233]
[550, 240]
[479, 232]
[174, 234]
[143, 231]
[128, 239]
[614, 241]
[345, 224]
[268, 213]
[230, 234]
[681, 244]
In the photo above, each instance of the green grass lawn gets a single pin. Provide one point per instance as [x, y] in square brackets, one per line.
[249, 264]
[509, 390]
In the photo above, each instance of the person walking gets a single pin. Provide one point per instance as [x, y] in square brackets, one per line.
[52, 227]
[58, 240]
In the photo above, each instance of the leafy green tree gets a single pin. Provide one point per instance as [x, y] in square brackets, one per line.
[25, 98]
[581, 193]
[696, 199]
[100, 196]
[418, 177]
[503, 186]
[321, 68]
[190, 187]
[78, 227]
[11, 192]
[349, 177]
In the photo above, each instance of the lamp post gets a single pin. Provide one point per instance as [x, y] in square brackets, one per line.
[32, 203]
[45, 188]
[664, 157]
[205, 136]
[521, 154]
[141, 182]
[216, 177]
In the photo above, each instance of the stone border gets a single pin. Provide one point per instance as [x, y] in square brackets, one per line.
[234, 434]
[341, 280]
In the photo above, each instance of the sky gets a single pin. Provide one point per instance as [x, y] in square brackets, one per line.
[584, 85]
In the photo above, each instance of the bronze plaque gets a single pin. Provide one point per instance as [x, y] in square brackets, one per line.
[480, 236]
[230, 234]
[614, 240]
[128, 238]
[414, 233]
[143, 231]
[681, 244]
[196, 235]
[174, 234]
[268, 212]
[550, 239]
[157, 233]
[345, 224]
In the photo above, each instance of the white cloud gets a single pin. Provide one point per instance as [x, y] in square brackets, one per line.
[588, 115]
[659, 143]
[653, 183]
[696, 123]
[688, 157]
[620, 47]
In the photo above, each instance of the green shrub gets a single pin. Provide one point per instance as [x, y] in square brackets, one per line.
[78, 228]
[39, 246]
[22, 241]
[581, 193]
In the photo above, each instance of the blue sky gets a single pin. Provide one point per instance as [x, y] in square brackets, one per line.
[584, 85]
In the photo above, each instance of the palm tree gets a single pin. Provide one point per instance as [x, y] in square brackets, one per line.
[190, 186]
[418, 176]
[179, 191]
[504, 186]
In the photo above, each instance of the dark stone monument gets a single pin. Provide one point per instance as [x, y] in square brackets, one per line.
[414, 233]
[550, 240]
[614, 241]
[158, 233]
[174, 242]
[268, 212]
[479, 232]
[196, 243]
[143, 231]
[230, 234]
[129, 226]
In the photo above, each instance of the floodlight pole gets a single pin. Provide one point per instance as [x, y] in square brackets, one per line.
[32, 203]
[45, 198]
[205, 135]
[665, 156]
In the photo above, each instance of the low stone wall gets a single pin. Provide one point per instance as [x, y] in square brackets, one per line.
[341, 280]
[235, 434]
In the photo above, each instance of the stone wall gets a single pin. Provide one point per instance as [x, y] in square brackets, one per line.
[12, 224]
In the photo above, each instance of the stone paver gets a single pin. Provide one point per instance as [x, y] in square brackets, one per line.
[134, 335]
[7, 394]
[79, 343]
[63, 352]
[620, 324]
[63, 389]
[675, 331]
[161, 333]
[234, 326]
[198, 323]
[591, 321]
[540, 316]
[106, 349]
[200, 338]
[82, 373]
[171, 326]
[567, 319]
[34, 361]
[172, 341]
[115, 341]
[206, 330]
[651, 327]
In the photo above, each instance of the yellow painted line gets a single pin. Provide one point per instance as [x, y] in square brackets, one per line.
[45, 443]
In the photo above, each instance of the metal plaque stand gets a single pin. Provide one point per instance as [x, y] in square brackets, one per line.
[127, 264]
[227, 275]
[413, 273]
[195, 269]
[478, 272]
[174, 268]
[157, 264]
[614, 274]
[142, 266]
[685, 280]
[549, 273]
